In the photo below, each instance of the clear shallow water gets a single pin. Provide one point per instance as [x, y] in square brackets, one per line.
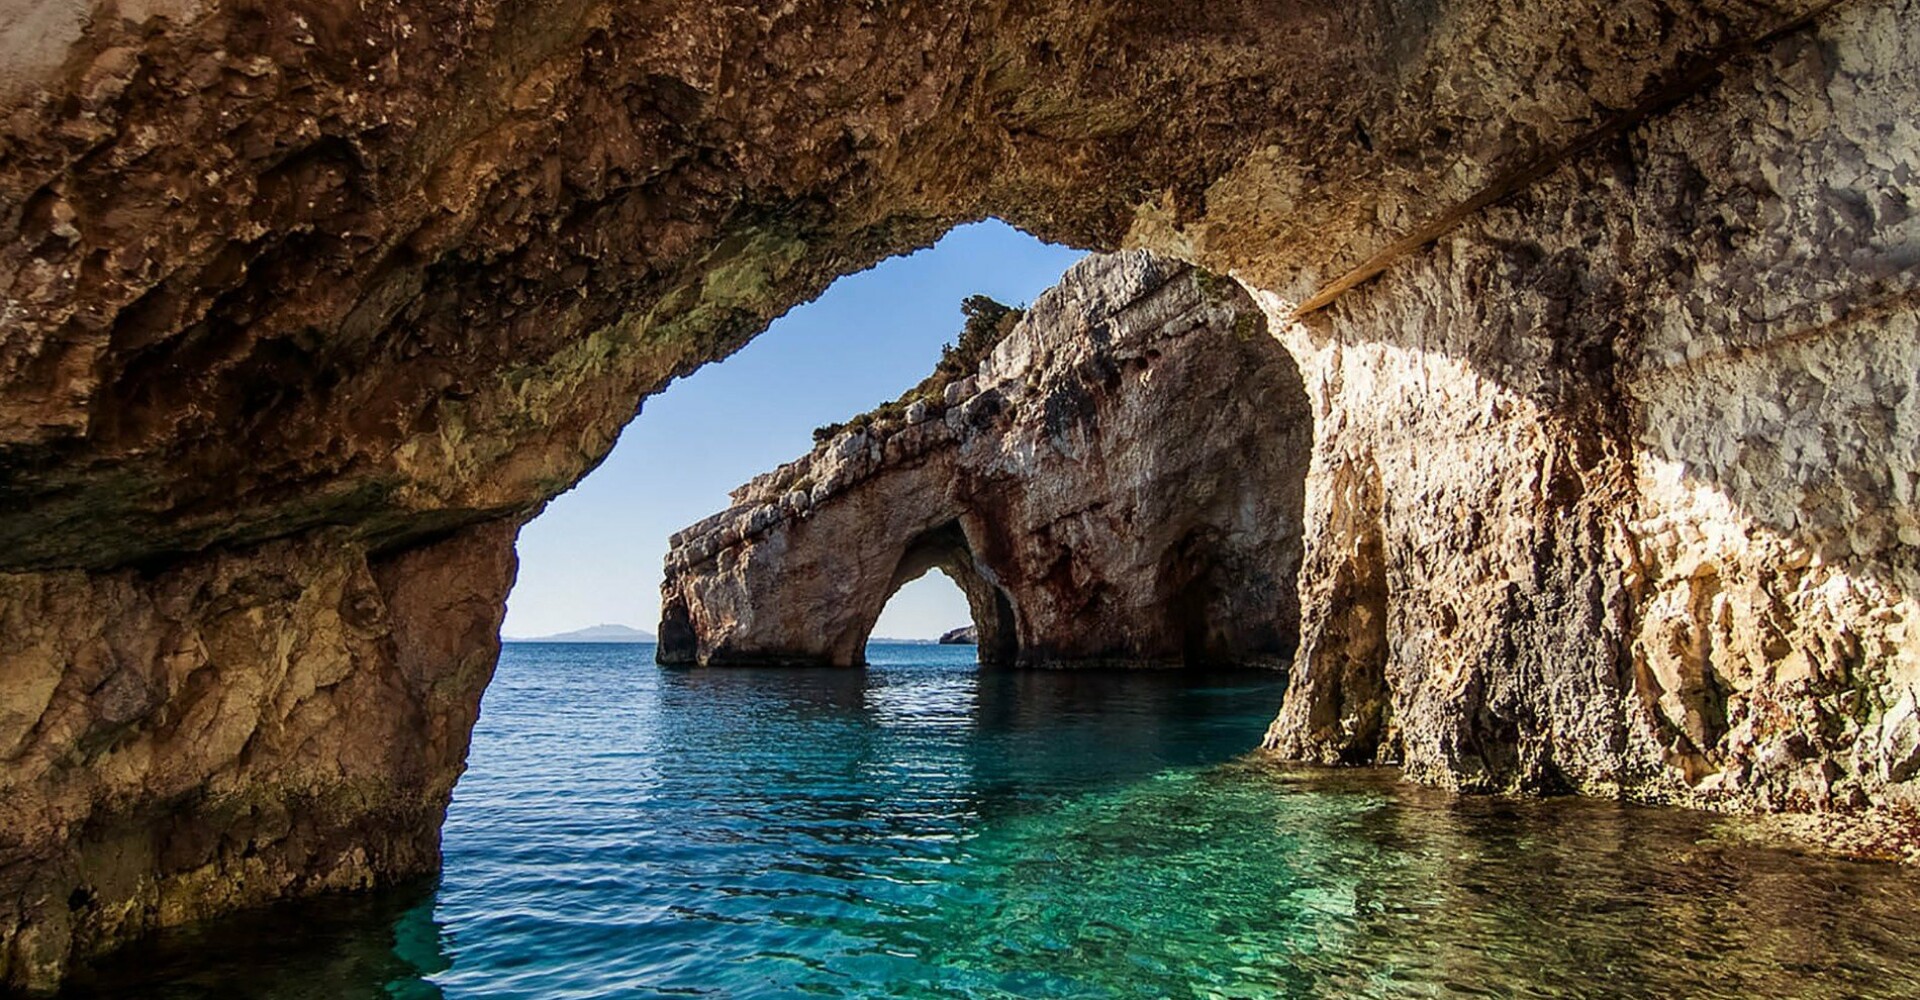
[924, 829]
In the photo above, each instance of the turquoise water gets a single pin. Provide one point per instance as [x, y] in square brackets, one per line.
[925, 829]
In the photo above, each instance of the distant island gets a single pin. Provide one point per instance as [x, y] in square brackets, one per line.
[595, 633]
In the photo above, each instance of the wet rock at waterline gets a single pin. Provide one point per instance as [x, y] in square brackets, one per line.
[1606, 314]
[1119, 483]
[253, 724]
[1615, 490]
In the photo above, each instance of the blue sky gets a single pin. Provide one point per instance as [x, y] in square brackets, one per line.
[594, 554]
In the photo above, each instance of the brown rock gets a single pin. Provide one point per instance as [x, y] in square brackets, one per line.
[244, 726]
[1606, 312]
[1661, 553]
[1120, 485]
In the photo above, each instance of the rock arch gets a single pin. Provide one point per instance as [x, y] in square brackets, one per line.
[945, 549]
[819, 609]
[1119, 484]
[305, 307]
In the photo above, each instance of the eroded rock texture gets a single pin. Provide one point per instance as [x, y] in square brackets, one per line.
[247, 725]
[1671, 549]
[1119, 484]
[1607, 316]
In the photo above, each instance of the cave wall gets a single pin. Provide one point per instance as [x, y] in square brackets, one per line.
[1125, 471]
[243, 726]
[403, 266]
[285, 287]
[1669, 547]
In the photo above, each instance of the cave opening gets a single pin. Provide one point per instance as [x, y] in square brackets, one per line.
[594, 554]
[945, 552]
[1118, 480]
[293, 350]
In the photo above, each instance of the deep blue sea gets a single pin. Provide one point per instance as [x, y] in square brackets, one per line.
[924, 828]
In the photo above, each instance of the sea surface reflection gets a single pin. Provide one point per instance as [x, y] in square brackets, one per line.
[926, 829]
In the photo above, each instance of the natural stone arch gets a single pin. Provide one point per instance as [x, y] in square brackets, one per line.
[308, 307]
[945, 550]
[1125, 472]
[461, 310]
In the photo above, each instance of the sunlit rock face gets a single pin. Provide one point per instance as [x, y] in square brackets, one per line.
[1120, 484]
[1609, 332]
[1669, 547]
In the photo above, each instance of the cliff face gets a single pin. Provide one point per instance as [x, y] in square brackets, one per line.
[1606, 312]
[1669, 548]
[249, 725]
[1120, 484]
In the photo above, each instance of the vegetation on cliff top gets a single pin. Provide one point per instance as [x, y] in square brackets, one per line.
[988, 322]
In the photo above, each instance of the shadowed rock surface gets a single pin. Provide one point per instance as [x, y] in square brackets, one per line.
[1606, 312]
[1119, 484]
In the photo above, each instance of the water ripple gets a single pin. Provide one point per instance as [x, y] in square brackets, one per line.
[923, 829]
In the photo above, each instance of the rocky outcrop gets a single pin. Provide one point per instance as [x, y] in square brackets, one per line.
[1606, 312]
[1669, 546]
[1119, 484]
[247, 726]
[965, 635]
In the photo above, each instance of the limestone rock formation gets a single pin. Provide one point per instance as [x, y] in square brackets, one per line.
[1670, 547]
[965, 635]
[279, 720]
[1607, 312]
[1120, 483]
